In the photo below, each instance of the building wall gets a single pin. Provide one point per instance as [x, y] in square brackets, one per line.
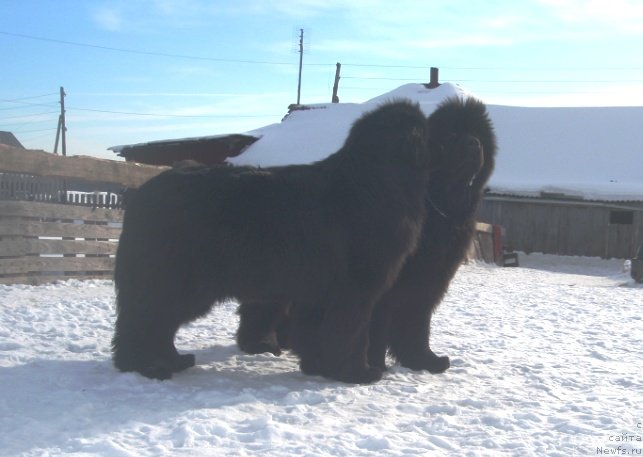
[567, 227]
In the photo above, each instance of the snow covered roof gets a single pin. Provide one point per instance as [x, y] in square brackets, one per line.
[197, 139]
[589, 153]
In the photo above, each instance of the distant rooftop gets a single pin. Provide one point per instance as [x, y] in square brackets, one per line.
[9, 139]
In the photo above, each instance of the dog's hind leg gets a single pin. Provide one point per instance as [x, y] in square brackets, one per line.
[345, 336]
[261, 328]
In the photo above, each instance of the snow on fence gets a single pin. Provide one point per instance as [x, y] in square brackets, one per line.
[48, 232]
[20, 186]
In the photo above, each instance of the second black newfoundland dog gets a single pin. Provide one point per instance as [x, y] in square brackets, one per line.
[463, 149]
[326, 240]
[462, 146]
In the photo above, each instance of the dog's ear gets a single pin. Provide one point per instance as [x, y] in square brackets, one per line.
[394, 131]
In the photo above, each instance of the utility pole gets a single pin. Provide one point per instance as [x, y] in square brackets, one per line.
[61, 124]
[335, 98]
[301, 60]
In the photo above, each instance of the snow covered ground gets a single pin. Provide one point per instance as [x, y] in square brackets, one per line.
[547, 360]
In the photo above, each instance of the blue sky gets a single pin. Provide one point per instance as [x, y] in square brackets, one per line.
[141, 70]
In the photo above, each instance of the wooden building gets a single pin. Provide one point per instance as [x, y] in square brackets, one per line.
[568, 181]
[209, 150]
[567, 226]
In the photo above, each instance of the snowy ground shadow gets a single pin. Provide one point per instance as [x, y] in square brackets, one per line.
[77, 399]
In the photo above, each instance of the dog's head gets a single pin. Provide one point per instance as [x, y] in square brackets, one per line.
[462, 142]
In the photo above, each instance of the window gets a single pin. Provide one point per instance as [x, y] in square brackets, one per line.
[621, 217]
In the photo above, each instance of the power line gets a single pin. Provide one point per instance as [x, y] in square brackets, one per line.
[442, 67]
[536, 81]
[30, 131]
[377, 78]
[27, 115]
[30, 97]
[24, 104]
[267, 62]
[149, 53]
[373, 65]
[143, 114]
[171, 115]
[23, 124]
[36, 137]
[536, 68]
[503, 81]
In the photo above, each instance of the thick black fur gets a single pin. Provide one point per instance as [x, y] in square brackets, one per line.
[330, 238]
[462, 147]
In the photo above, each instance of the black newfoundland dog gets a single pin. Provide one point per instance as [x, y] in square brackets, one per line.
[326, 240]
[462, 148]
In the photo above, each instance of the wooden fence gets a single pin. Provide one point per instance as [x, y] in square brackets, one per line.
[49, 232]
[41, 242]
